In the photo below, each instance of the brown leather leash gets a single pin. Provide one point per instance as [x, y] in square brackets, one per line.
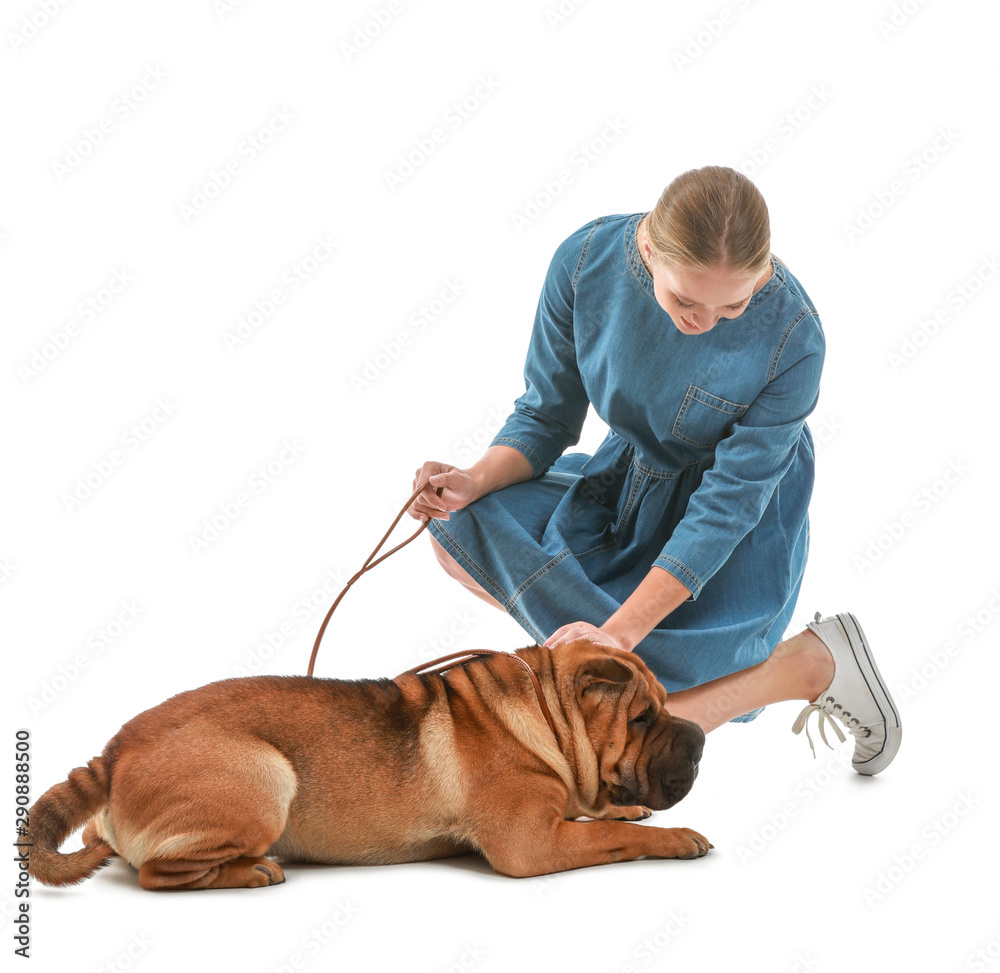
[428, 668]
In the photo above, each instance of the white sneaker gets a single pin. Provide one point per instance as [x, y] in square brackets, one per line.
[857, 696]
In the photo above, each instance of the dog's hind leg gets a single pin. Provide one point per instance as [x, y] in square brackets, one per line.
[92, 833]
[207, 821]
[244, 872]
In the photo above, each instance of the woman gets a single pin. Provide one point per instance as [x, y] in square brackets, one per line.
[684, 537]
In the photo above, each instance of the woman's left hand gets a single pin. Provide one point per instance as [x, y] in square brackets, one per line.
[578, 630]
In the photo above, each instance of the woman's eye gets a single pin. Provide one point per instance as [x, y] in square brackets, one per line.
[732, 307]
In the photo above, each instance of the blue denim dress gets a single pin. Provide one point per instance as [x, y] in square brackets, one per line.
[706, 471]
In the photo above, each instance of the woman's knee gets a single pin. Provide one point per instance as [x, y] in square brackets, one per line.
[446, 561]
[454, 570]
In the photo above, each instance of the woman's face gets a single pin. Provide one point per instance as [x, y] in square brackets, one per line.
[697, 300]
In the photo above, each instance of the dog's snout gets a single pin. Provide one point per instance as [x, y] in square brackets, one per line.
[678, 765]
[689, 740]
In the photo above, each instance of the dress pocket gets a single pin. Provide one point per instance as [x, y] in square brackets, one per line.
[704, 419]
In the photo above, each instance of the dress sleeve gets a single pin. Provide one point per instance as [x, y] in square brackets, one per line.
[761, 446]
[549, 416]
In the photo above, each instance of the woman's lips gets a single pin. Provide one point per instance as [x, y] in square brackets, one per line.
[693, 327]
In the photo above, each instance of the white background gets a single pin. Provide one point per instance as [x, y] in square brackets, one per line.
[842, 119]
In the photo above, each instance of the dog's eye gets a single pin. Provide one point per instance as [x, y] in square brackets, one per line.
[643, 719]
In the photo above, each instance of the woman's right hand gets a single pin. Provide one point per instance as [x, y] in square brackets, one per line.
[459, 490]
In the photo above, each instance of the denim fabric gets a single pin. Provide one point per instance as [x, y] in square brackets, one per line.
[706, 472]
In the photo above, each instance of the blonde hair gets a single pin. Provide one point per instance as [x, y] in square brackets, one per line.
[709, 218]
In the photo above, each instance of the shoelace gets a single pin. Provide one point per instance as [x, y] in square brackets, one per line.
[825, 710]
[801, 721]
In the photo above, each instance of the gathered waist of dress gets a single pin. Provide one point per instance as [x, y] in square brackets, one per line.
[655, 467]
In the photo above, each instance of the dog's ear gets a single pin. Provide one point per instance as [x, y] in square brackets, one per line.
[605, 674]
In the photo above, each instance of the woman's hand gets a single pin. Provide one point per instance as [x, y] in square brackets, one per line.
[578, 630]
[459, 490]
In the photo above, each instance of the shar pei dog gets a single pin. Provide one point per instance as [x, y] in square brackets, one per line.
[215, 786]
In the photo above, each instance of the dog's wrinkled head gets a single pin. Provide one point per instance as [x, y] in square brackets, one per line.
[645, 755]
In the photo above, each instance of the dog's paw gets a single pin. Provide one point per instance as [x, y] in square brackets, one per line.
[273, 871]
[634, 812]
[688, 843]
[254, 873]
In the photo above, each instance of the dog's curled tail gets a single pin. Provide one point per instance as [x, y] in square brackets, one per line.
[56, 815]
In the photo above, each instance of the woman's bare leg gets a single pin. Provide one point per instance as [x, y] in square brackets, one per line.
[799, 668]
[462, 576]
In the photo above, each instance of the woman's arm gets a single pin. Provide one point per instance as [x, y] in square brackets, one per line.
[499, 466]
[658, 594]
[548, 417]
[750, 462]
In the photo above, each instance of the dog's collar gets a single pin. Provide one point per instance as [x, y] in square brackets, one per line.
[428, 667]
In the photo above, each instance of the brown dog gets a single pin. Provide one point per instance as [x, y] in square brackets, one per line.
[198, 790]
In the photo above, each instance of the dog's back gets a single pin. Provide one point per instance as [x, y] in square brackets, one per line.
[305, 746]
